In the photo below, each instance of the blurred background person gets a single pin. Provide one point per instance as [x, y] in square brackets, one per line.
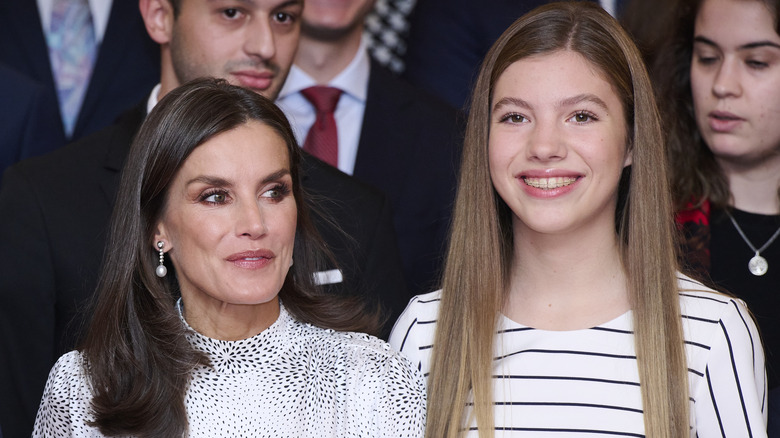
[28, 120]
[93, 58]
[720, 76]
[354, 114]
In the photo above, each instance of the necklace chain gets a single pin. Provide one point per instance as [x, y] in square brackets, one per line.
[750, 244]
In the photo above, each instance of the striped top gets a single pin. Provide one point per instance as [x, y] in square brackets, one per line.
[585, 383]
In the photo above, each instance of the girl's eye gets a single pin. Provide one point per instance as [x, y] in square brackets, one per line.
[514, 118]
[583, 117]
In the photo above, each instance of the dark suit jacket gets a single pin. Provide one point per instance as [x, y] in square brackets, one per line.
[410, 149]
[126, 68]
[54, 216]
[29, 123]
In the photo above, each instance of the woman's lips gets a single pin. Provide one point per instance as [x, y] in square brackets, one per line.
[724, 122]
[255, 259]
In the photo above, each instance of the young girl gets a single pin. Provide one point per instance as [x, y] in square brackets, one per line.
[562, 311]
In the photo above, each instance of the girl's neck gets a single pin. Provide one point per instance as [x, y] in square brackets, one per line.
[567, 282]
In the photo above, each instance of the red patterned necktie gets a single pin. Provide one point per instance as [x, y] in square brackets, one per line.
[322, 139]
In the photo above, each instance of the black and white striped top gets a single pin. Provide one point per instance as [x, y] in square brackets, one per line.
[585, 383]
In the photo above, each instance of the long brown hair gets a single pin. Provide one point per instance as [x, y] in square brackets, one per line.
[480, 253]
[137, 356]
[695, 174]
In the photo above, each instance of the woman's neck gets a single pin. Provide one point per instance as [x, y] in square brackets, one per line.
[228, 322]
[754, 188]
[567, 282]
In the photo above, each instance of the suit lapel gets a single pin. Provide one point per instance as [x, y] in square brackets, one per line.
[383, 146]
[110, 53]
[23, 19]
[118, 146]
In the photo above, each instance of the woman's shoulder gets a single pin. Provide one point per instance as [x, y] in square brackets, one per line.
[332, 345]
[71, 365]
[65, 405]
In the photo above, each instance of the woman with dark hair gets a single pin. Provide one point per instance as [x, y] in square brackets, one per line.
[720, 77]
[562, 311]
[210, 208]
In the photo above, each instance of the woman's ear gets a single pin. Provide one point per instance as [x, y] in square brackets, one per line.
[160, 235]
[158, 18]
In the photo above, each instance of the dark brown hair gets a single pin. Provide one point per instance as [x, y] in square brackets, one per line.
[138, 359]
[694, 172]
[479, 257]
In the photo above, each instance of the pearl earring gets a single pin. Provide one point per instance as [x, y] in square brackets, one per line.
[161, 270]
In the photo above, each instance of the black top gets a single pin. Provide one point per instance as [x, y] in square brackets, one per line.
[730, 256]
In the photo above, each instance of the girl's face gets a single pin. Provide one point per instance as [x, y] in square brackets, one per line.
[557, 143]
[735, 80]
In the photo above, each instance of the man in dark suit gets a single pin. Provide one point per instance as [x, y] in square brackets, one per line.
[125, 69]
[28, 120]
[54, 209]
[390, 135]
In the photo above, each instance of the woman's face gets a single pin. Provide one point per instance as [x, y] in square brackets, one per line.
[557, 143]
[230, 218]
[735, 80]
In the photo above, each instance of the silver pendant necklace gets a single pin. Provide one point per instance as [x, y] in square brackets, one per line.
[758, 265]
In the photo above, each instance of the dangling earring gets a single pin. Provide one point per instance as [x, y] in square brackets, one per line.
[161, 270]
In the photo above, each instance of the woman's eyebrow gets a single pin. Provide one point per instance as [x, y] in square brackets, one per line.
[747, 46]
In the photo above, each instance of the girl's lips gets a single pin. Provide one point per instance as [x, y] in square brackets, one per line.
[549, 186]
[549, 183]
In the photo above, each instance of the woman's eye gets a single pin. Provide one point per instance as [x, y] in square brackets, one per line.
[215, 198]
[706, 59]
[756, 64]
[277, 192]
[273, 193]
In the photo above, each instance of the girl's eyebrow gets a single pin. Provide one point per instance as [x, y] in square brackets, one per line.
[585, 97]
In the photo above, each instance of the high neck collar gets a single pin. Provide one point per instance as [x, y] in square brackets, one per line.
[234, 357]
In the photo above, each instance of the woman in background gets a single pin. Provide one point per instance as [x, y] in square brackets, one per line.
[210, 207]
[720, 74]
[562, 310]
